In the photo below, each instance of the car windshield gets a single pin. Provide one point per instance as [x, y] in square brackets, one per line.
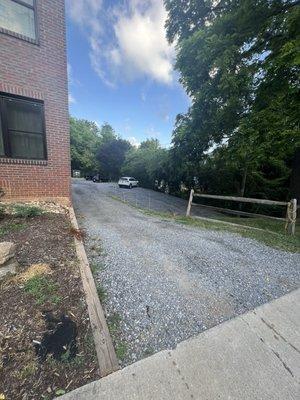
[124, 178]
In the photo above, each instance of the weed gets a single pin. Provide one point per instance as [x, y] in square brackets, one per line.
[101, 293]
[26, 211]
[60, 392]
[121, 350]
[113, 322]
[96, 267]
[11, 227]
[43, 289]
[28, 370]
[96, 248]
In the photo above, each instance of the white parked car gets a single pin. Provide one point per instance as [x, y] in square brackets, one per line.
[128, 181]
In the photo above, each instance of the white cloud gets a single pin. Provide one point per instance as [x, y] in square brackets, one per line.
[128, 41]
[134, 141]
[72, 99]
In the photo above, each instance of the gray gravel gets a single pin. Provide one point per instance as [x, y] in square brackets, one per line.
[168, 281]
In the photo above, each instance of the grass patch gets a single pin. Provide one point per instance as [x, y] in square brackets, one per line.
[43, 289]
[26, 211]
[28, 370]
[10, 227]
[272, 233]
[101, 293]
[96, 267]
[121, 350]
[113, 322]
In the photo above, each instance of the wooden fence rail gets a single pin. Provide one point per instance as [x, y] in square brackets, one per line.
[291, 213]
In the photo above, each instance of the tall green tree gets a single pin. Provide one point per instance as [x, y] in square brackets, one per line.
[147, 163]
[85, 139]
[111, 156]
[239, 62]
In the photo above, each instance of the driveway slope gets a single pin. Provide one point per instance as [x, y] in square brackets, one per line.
[168, 282]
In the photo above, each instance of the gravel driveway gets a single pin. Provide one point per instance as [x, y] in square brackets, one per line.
[169, 281]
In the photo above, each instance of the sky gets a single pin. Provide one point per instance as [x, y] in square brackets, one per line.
[120, 68]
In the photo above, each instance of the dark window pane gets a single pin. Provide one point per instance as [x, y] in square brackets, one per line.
[24, 116]
[17, 18]
[26, 145]
[1, 140]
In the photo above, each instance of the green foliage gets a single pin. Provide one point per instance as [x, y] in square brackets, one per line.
[147, 163]
[111, 156]
[60, 392]
[43, 289]
[26, 211]
[113, 322]
[101, 293]
[11, 227]
[96, 150]
[239, 62]
[85, 139]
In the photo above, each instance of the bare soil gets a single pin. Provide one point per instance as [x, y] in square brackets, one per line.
[45, 239]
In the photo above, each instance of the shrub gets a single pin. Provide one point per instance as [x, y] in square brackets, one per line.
[26, 211]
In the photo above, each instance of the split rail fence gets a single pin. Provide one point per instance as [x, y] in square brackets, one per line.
[291, 208]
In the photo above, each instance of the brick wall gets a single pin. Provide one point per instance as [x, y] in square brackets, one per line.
[39, 71]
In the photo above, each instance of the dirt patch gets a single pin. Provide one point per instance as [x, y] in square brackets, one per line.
[43, 304]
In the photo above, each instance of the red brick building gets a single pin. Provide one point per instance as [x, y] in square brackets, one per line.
[34, 119]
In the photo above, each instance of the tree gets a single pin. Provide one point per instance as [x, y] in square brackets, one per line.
[147, 163]
[239, 62]
[85, 139]
[111, 156]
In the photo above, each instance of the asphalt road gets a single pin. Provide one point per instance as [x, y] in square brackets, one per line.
[150, 199]
[167, 281]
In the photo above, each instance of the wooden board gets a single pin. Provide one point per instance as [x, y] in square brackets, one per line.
[106, 355]
[242, 199]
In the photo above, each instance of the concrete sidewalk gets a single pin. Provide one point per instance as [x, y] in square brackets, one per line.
[254, 356]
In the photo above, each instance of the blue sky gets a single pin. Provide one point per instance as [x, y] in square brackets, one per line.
[121, 67]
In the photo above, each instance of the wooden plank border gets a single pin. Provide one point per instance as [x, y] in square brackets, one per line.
[106, 355]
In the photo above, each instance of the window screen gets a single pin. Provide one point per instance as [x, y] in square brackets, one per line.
[18, 16]
[23, 128]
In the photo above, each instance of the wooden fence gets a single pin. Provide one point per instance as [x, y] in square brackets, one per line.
[291, 208]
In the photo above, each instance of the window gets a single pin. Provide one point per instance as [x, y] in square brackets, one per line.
[18, 16]
[22, 128]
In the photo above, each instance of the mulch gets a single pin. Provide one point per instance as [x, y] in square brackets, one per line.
[44, 239]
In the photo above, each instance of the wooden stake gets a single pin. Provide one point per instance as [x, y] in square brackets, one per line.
[291, 217]
[188, 211]
[294, 216]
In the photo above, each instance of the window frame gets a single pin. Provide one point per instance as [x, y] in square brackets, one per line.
[5, 131]
[20, 35]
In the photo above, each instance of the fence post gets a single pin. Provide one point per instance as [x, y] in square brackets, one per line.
[291, 216]
[188, 211]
